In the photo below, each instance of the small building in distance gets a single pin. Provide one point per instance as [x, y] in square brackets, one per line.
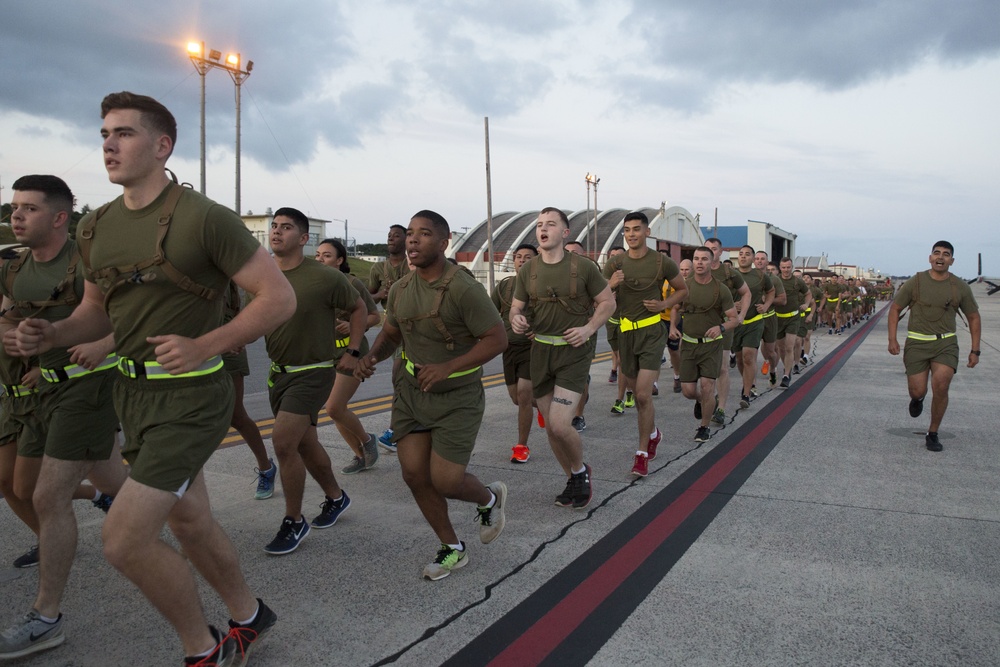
[776, 242]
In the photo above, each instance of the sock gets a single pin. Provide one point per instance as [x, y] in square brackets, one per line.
[654, 433]
[252, 618]
[48, 620]
[931, 432]
[582, 470]
[457, 547]
[97, 495]
[336, 500]
[492, 502]
[677, 377]
[638, 453]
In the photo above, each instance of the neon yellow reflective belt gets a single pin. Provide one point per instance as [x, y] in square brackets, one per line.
[550, 340]
[612, 320]
[632, 325]
[754, 319]
[787, 315]
[689, 339]
[832, 300]
[807, 311]
[154, 371]
[343, 342]
[17, 390]
[412, 370]
[69, 372]
[285, 368]
[919, 336]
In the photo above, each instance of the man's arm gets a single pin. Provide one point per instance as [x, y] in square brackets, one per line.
[272, 304]
[88, 322]
[604, 307]
[892, 324]
[744, 292]
[976, 331]
[489, 345]
[385, 344]
[680, 291]
[518, 322]
[765, 306]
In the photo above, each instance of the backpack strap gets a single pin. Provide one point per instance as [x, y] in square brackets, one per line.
[434, 314]
[62, 294]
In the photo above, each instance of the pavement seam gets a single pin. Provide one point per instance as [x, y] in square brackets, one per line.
[857, 507]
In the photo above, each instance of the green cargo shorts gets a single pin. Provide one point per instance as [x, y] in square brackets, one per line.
[300, 393]
[918, 354]
[700, 360]
[559, 365]
[451, 417]
[749, 335]
[641, 349]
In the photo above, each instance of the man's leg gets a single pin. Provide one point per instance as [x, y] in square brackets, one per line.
[247, 427]
[21, 507]
[132, 544]
[706, 388]
[288, 434]
[560, 408]
[522, 398]
[941, 375]
[53, 500]
[414, 451]
[26, 471]
[109, 475]
[722, 383]
[317, 463]
[644, 405]
[748, 360]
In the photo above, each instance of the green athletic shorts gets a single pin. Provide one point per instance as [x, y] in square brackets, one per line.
[613, 335]
[787, 326]
[641, 349]
[918, 354]
[770, 329]
[748, 335]
[451, 417]
[516, 363]
[700, 360]
[559, 365]
[20, 422]
[804, 326]
[236, 363]
[301, 393]
[173, 426]
[79, 415]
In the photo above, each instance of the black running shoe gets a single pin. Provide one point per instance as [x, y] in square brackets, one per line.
[697, 408]
[785, 381]
[247, 637]
[933, 444]
[703, 434]
[582, 489]
[744, 401]
[916, 406]
[224, 652]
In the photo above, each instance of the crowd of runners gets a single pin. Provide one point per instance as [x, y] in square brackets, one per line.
[126, 341]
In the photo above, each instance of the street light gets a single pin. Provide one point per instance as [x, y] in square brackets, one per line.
[592, 179]
[233, 65]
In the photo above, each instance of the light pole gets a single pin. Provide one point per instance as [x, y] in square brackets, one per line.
[592, 179]
[233, 65]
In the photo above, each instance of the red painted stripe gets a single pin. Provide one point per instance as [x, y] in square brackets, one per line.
[554, 627]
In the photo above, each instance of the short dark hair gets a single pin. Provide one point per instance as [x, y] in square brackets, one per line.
[57, 193]
[787, 259]
[940, 244]
[341, 252]
[727, 261]
[774, 264]
[617, 247]
[399, 227]
[296, 216]
[712, 239]
[436, 219]
[703, 249]
[569, 243]
[154, 115]
[553, 209]
[636, 215]
[745, 245]
[526, 246]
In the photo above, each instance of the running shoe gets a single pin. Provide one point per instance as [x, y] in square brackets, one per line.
[265, 481]
[386, 441]
[580, 424]
[932, 442]
[331, 510]
[732, 360]
[629, 399]
[289, 537]
[613, 378]
[641, 466]
[30, 634]
[354, 467]
[830, 332]
[447, 559]
[519, 453]
[916, 406]
[703, 434]
[677, 385]
[103, 502]
[618, 408]
[719, 416]
[697, 408]
[247, 637]
[491, 520]
[656, 389]
[28, 559]
[582, 489]
[753, 392]
[773, 379]
[541, 420]
[654, 441]
[744, 401]
[785, 381]
[765, 368]
[223, 655]
[370, 450]
[795, 370]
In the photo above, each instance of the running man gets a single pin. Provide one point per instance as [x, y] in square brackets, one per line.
[732, 279]
[934, 298]
[517, 356]
[74, 405]
[748, 336]
[450, 328]
[638, 276]
[797, 299]
[364, 445]
[174, 402]
[569, 302]
[708, 312]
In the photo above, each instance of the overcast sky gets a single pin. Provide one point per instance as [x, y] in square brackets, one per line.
[868, 128]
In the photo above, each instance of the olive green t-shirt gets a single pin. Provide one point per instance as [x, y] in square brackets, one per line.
[503, 296]
[370, 306]
[553, 312]
[795, 294]
[731, 278]
[939, 300]
[385, 274]
[309, 336]
[466, 312]
[779, 289]
[759, 284]
[206, 242]
[705, 306]
[644, 279]
[817, 293]
[37, 282]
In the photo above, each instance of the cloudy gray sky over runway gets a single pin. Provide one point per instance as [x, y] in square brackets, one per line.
[869, 128]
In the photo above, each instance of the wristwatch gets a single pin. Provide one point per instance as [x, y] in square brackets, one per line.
[722, 328]
[354, 353]
[975, 352]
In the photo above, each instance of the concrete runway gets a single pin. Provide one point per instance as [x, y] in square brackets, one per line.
[813, 529]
